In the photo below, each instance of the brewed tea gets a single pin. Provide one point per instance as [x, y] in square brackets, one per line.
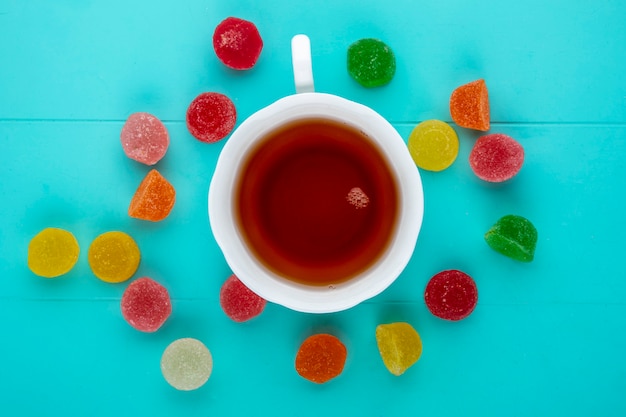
[316, 201]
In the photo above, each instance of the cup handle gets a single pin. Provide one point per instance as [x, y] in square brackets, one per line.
[302, 67]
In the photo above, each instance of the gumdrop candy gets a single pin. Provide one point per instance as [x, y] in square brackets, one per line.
[211, 117]
[153, 199]
[239, 302]
[451, 295]
[357, 198]
[513, 236]
[237, 43]
[146, 305]
[371, 62]
[320, 358]
[496, 157]
[52, 252]
[433, 145]
[186, 364]
[144, 138]
[469, 105]
[114, 257]
[400, 346]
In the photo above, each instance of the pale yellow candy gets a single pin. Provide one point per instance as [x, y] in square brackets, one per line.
[186, 364]
[52, 252]
[399, 345]
[114, 257]
[433, 145]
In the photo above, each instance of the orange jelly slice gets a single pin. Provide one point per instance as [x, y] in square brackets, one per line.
[153, 199]
[469, 105]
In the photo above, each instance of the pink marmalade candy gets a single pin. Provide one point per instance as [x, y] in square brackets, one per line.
[146, 305]
[239, 302]
[496, 157]
[144, 138]
[211, 117]
[237, 43]
[451, 295]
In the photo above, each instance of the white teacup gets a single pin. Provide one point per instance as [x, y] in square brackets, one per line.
[306, 104]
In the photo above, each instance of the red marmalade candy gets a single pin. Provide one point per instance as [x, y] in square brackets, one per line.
[237, 43]
[239, 302]
[496, 157]
[146, 305]
[451, 295]
[211, 117]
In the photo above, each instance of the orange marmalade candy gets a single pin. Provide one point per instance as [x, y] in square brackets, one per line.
[321, 357]
[154, 198]
[469, 105]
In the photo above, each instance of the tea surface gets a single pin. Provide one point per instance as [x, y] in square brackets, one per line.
[317, 202]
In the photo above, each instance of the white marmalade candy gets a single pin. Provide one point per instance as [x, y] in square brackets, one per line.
[186, 364]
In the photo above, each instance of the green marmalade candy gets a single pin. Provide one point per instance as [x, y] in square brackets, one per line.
[513, 236]
[371, 62]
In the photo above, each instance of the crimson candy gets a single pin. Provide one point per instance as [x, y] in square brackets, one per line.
[237, 43]
[239, 302]
[496, 157]
[146, 305]
[211, 117]
[451, 295]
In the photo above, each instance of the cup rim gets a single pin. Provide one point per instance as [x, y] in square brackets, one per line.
[264, 282]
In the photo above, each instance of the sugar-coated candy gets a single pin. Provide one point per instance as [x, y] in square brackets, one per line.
[400, 346]
[186, 364]
[434, 145]
[237, 43]
[451, 295]
[371, 62]
[146, 304]
[320, 358]
[469, 105]
[496, 157]
[357, 198]
[153, 199]
[52, 252]
[144, 138]
[211, 117]
[513, 236]
[239, 302]
[114, 257]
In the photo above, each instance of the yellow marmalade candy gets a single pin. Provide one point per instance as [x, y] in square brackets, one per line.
[434, 145]
[114, 257]
[400, 346]
[52, 252]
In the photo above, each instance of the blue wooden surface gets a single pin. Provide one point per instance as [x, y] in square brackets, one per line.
[547, 338]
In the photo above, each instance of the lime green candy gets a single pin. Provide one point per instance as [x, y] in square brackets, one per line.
[371, 62]
[513, 236]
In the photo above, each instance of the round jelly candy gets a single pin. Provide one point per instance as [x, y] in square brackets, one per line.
[513, 236]
[52, 252]
[469, 105]
[496, 157]
[113, 257]
[433, 145]
[321, 357]
[146, 305]
[399, 345]
[371, 62]
[211, 117]
[144, 138]
[154, 198]
[186, 364]
[237, 43]
[451, 295]
[239, 302]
